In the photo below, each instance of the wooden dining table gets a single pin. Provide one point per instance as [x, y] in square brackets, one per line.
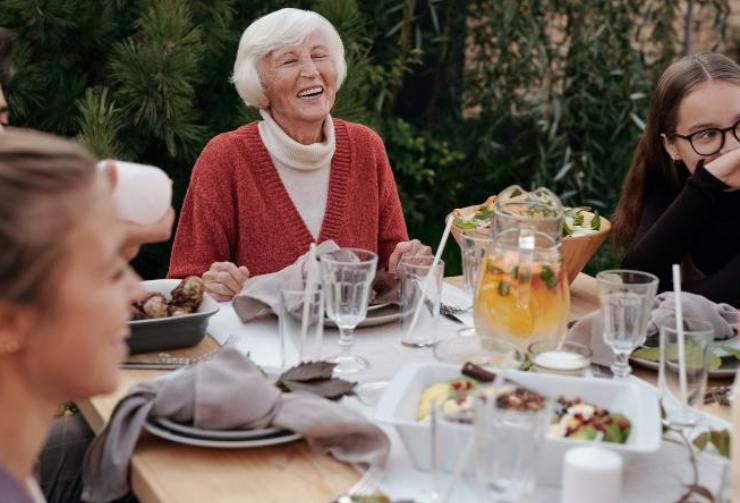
[163, 471]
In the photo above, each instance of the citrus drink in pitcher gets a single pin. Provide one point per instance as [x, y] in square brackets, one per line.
[522, 294]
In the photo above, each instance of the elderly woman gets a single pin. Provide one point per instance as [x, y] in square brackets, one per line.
[261, 194]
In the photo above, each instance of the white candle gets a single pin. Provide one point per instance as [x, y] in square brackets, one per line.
[561, 360]
[592, 474]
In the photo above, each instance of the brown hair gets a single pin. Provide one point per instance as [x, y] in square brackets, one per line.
[7, 50]
[43, 183]
[651, 165]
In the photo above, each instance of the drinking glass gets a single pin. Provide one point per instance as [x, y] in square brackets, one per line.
[473, 251]
[506, 447]
[626, 299]
[347, 275]
[564, 358]
[300, 323]
[698, 336]
[413, 273]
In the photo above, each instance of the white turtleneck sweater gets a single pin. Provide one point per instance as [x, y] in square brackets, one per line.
[303, 169]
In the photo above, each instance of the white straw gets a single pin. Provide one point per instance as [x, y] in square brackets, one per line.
[307, 296]
[430, 276]
[680, 334]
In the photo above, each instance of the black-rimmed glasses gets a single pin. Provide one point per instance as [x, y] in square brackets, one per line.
[710, 141]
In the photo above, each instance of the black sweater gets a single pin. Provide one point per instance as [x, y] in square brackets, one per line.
[700, 222]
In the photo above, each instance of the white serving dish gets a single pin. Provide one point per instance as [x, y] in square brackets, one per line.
[639, 402]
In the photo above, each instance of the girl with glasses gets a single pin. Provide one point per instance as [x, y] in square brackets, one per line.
[679, 201]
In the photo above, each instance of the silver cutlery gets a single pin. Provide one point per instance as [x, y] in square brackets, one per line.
[166, 361]
[366, 487]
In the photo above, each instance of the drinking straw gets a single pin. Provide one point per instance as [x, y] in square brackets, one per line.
[429, 276]
[307, 295]
[680, 334]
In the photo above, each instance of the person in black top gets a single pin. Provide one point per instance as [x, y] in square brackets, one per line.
[680, 201]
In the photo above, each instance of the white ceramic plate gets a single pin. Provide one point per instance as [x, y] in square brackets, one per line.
[216, 434]
[181, 438]
[380, 316]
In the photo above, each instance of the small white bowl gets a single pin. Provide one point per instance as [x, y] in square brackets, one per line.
[638, 401]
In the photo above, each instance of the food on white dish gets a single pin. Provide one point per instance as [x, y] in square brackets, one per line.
[185, 299]
[578, 221]
[572, 417]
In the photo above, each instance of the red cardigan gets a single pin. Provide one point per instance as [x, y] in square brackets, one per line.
[237, 209]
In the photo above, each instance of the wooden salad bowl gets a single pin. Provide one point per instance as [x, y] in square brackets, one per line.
[577, 251]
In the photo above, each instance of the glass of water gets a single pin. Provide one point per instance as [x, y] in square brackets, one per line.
[421, 289]
[507, 442]
[626, 299]
[682, 389]
[473, 249]
[347, 275]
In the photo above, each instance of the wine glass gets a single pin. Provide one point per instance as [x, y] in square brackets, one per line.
[347, 275]
[626, 305]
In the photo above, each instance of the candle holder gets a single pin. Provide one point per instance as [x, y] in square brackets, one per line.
[566, 358]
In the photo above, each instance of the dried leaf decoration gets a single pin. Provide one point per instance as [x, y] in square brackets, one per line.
[308, 371]
[316, 378]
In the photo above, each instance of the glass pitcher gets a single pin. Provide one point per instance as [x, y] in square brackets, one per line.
[522, 294]
[539, 210]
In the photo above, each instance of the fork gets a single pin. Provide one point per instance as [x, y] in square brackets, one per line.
[167, 358]
[450, 310]
[366, 487]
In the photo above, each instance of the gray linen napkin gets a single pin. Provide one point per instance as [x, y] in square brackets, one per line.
[260, 295]
[723, 318]
[227, 392]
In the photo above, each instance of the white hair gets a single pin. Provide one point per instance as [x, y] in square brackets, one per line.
[278, 29]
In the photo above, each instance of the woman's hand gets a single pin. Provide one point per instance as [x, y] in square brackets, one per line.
[137, 234]
[224, 280]
[405, 249]
[726, 168]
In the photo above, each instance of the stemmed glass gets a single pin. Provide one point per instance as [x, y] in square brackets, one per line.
[473, 249]
[626, 305]
[347, 275]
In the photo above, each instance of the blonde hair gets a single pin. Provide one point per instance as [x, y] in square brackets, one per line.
[278, 29]
[43, 183]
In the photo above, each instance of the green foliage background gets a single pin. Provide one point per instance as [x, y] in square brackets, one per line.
[469, 96]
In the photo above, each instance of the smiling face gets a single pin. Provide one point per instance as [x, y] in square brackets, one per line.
[74, 348]
[300, 82]
[713, 104]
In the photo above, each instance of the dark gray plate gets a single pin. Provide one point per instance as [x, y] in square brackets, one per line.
[161, 334]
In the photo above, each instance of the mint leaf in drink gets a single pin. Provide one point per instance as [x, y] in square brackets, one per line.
[504, 288]
[549, 277]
